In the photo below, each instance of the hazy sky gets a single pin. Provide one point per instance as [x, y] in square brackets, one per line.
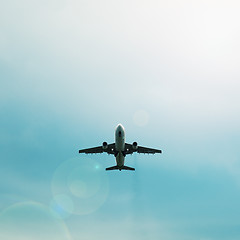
[70, 71]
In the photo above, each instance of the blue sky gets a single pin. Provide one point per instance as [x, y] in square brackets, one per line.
[70, 71]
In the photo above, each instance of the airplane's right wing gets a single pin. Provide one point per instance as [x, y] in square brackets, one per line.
[130, 148]
[110, 149]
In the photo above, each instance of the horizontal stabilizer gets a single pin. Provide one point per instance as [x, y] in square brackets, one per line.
[120, 168]
[112, 168]
[128, 168]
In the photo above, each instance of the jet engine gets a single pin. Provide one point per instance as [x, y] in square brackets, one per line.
[104, 145]
[134, 146]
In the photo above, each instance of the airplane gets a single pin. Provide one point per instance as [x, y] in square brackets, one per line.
[120, 149]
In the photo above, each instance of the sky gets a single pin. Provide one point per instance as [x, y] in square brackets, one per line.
[70, 71]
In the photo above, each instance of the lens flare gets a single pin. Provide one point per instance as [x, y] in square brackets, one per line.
[82, 180]
[31, 220]
[62, 206]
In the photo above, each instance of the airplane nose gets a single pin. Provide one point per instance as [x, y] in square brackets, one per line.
[119, 128]
[119, 133]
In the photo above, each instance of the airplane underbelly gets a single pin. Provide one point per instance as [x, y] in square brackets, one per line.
[119, 145]
[120, 159]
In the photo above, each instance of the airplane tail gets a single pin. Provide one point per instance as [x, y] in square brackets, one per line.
[120, 168]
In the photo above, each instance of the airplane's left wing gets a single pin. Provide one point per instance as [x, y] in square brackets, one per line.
[148, 150]
[129, 149]
[110, 149]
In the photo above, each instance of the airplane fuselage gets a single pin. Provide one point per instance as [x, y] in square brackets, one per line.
[120, 145]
